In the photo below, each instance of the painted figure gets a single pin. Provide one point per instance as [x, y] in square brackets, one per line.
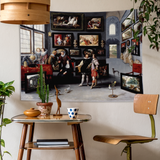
[63, 59]
[52, 59]
[94, 69]
[59, 41]
[84, 68]
[66, 71]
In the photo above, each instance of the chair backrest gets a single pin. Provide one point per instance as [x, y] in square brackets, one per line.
[146, 103]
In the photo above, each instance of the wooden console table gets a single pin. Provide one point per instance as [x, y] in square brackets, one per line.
[77, 143]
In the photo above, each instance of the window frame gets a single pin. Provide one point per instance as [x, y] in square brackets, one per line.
[42, 39]
[30, 41]
[115, 29]
[32, 31]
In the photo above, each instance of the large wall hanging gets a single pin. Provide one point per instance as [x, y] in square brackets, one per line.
[75, 61]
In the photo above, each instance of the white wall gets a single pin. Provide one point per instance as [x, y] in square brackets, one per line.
[107, 118]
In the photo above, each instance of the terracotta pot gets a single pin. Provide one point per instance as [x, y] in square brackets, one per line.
[32, 112]
[45, 108]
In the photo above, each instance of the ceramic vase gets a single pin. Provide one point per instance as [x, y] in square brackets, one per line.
[44, 108]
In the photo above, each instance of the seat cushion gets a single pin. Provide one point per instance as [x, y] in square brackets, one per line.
[111, 139]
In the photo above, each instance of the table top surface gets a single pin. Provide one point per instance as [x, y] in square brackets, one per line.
[52, 119]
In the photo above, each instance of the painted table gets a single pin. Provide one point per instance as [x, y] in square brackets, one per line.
[77, 143]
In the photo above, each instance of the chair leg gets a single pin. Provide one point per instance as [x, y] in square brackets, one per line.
[129, 152]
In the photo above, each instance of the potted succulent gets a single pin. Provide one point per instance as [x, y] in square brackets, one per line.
[6, 89]
[44, 106]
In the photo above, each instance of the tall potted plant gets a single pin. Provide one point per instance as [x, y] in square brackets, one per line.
[6, 89]
[44, 106]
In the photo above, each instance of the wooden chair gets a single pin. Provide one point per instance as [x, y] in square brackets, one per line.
[145, 104]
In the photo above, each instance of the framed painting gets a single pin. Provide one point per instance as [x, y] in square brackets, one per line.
[131, 83]
[74, 52]
[113, 50]
[77, 34]
[128, 42]
[123, 47]
[62, 40]
[103, 69]
[128, 21]
[138, 27]
[127, 34]
[88, 51]
[94, 23]
[136, 50]
[89, 40]
[31, 81]
[100, 52]
[67, 21]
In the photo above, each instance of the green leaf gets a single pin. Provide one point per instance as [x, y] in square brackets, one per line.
[156, 37]
[133, 21]
[1, 103]
[8, 84]
[136, 34]
[144, 30]
[2, 143]
[1, 83]
[156, 8]
[6, 121]
[11, 88]
[154, 18]
[147, 16]
[142, 3]
[131, 10]
[7, 153]
[0, 157]
[151, 45]
[149, 37]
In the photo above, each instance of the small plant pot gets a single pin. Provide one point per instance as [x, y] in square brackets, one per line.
[45, 108]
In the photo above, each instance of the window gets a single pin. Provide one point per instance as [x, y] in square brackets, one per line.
[113, 51]
[30, 26]
[38, 40]
[39, 27]
[31, 37]
[25, 40]
[112, 29]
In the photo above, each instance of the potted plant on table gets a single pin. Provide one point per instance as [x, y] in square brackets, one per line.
[6, 89]
[44, 106]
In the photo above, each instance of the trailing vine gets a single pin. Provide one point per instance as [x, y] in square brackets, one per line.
[149, 16]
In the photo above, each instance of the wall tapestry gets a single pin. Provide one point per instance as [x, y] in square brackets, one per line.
[86, 55]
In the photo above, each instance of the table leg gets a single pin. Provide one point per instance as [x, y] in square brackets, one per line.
[81, 142]
[22, 141]
[76, 141]
[30, 139]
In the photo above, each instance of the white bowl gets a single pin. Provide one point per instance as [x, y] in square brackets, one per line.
[72, 112]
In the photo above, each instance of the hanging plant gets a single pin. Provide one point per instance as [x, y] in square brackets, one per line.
[6, 90]
[149, 16]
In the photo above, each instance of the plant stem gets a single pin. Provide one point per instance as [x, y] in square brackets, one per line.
[1, 121]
